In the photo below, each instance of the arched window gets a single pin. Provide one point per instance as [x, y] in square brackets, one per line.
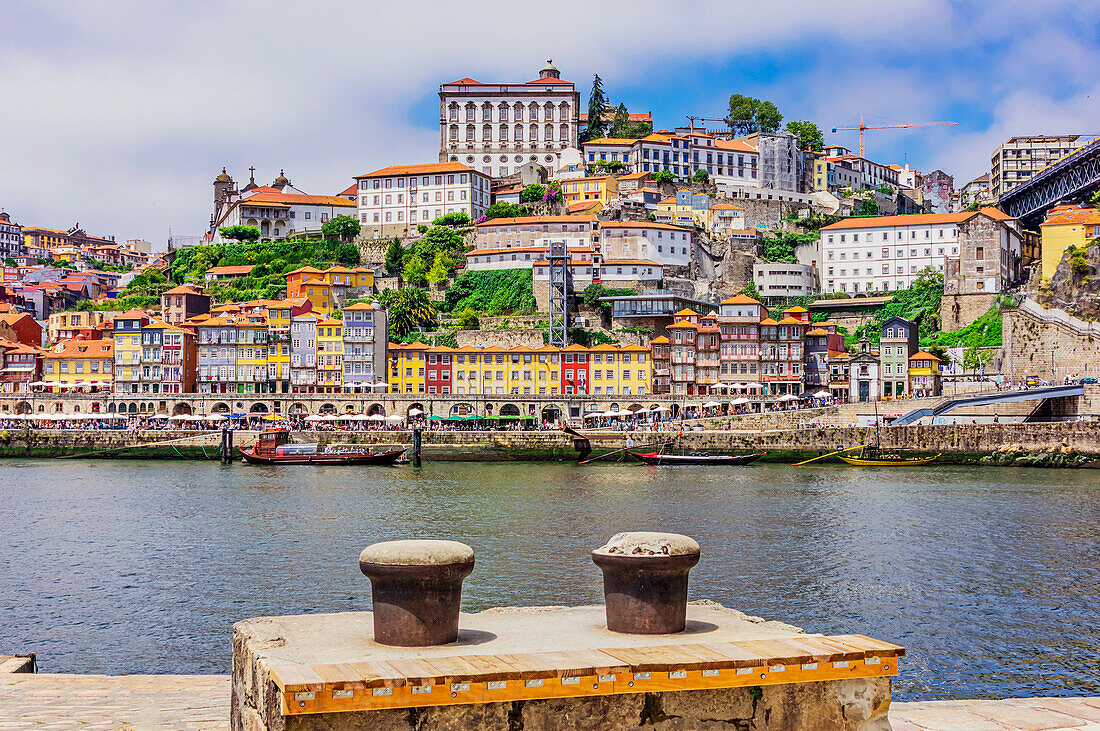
[503, 133]
[469, 133]
[519, 111]
[453, 112]
[519, 133]
[563, 132]
[503, 110]
[486, 112]
[454, 133]
[534, 132]
[471, 110]
[549, 112]
[548, 132]
[486, 133]
[534, 112]
[563, 112]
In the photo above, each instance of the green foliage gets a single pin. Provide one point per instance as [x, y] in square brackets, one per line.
[11, 262]
[885, 189]
[748, 114]
[607, 166]
[919, 302]
[447, 339]
[1078, 260]
[438, 240]
[652, 217]
[593, 292]
[701, 176]
[940, 352]
[440, 270]
[866, 208]
[123, 303]
[189, 264]
[809, 134]
[974, 207]
[395, 255]
[467, 318]
[986, 331]
[503, 209]
[751, 290]
[414, 272]
[409, 308]
[341, 228]
[452, 219]
[496, 292]
[975, 359]
[622, 127]
[532, 193]
[240, 233]
[664, 176]
[597, 101]
[782, 247]
[589, 338]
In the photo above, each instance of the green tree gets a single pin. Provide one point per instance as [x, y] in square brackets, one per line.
[607, 166]
[809, 134]
[341, 228]
[597, 102]
[440, 270]
[748, 114]
[414, 271]
[467, 318]
[503, 209]
[750, 290]
[453, 219]
[768, 117]
[240, 233]
[974, 358]
[532, 193]
[664, 176]
[409, 308]
[700, 176]
[974, 207]
[395, 255]
[926, 278]
[941, 353]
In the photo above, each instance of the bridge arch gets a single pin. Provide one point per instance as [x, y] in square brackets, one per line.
[23, 407]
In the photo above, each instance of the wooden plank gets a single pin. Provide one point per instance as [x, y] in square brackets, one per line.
[579, 663]
[490, 668]
[339, 676]
[876, 646]
[708, 658]
[417, 672]
[455, 669]
[858, 653]
[778, 652]
[637, 659]
[530, 666]
[377, 674]
[291, 678]
[739, 656]
[821, 652]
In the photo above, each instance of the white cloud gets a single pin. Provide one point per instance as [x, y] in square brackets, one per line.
[120, 113]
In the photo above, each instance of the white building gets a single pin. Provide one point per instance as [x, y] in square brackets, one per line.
[781, 279]
[522, 257]
[640, 240]
[499, 127]
[858, 172]
[393, 201]
[11, 238]
[279, 210]
[886, 253]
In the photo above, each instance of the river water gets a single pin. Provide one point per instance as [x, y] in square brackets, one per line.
[989, 576]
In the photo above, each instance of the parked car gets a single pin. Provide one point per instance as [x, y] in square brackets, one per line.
[1032, 381]
[1089, 380]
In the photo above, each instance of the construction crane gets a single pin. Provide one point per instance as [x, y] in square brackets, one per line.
[691, 120]
[863, 127]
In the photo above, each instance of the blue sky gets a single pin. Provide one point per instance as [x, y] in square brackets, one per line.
[120, 114]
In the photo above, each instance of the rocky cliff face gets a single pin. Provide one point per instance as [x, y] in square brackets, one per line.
[1075, 286]
[720, 269]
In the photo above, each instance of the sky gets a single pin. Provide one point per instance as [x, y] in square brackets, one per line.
[118, 115]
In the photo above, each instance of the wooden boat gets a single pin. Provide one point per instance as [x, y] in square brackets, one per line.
[274, 447]
[889, 460]
[698, 458]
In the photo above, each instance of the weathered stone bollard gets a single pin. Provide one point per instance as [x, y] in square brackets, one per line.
[645, 579]
[417, 589]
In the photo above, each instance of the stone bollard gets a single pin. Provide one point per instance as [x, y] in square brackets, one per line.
[645, 579]
[417, 589]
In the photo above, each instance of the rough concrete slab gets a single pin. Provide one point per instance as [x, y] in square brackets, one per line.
[1029, 719]
[310, 639]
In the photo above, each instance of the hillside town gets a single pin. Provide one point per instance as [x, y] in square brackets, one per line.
[549, 248]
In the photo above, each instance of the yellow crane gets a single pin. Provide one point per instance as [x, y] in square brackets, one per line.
[903, 125]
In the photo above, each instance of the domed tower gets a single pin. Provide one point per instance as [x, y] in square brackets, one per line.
[222, 185]
[281, 182]
[549, 71]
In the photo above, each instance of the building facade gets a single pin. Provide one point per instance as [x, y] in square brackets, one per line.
[394, 200]
[498, 127]
[11, 238]
[1021, 157]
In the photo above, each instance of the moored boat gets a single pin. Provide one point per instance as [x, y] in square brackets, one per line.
[889, 460]
[697, 458]
[274, 447]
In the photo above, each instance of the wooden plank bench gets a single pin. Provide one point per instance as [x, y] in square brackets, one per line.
[466, 679]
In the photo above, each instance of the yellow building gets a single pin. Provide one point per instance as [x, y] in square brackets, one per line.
[676, 213]
[79, 361]
[1066, 226]
[620, 370]
[252, 350]
[547, 370]
[821, 173]
[924, 375]
[580, 190]
[407, 373]
[330, 355]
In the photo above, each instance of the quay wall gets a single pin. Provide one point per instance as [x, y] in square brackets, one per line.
[1059, 443]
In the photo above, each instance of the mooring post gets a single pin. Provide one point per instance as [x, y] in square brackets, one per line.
[229, 445]
[416, 447]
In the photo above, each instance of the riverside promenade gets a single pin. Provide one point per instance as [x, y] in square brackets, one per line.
[202, 703]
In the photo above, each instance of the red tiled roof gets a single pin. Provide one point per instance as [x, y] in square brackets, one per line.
[432, 167]
[916, 220]
[465, 82]
[298, 198]
[524, 220]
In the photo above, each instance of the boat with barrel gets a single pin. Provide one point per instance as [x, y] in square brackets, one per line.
[694, 458]
[274, 447]
[874, 458]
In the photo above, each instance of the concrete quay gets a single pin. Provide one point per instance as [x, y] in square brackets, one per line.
[202, 702]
